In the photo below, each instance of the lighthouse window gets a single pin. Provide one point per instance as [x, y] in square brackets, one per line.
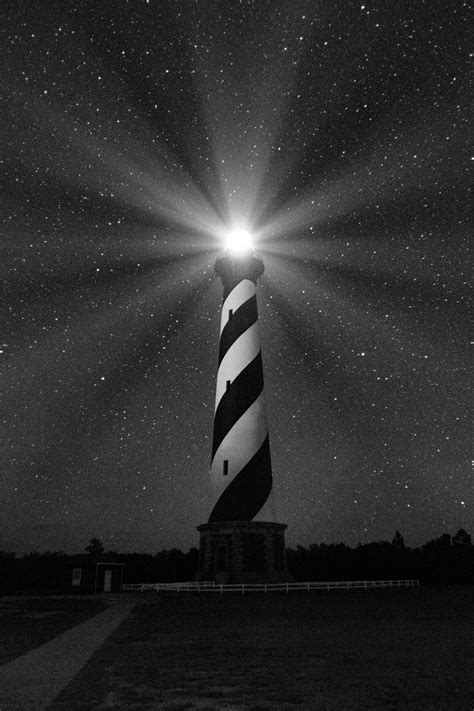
[226, 467]
[231, 311]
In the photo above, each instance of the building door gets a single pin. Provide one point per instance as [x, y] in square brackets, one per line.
[108, 581]
[221, 565]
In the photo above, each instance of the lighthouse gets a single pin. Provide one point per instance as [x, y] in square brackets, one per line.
[238, 544]
[241, 471]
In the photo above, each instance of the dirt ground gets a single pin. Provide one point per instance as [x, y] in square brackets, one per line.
[28, 622]
[406, 649]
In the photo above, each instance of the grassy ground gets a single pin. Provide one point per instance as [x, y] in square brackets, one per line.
[404, 649]
[26, 623]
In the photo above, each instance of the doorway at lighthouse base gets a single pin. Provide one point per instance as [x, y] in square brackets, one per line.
[242, 552]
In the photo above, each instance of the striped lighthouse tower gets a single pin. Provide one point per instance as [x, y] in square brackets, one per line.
[241, 470]
[235, 546]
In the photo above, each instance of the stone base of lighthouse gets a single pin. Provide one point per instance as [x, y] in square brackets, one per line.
[242, 552]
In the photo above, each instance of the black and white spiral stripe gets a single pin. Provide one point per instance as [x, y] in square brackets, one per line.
[241, 466]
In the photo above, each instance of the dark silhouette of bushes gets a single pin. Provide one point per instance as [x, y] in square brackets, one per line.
[8, 580]
[443, 560]
[447, 559]
[40, 571]
[166, 566]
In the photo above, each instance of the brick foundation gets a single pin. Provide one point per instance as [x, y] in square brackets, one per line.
[242, 552]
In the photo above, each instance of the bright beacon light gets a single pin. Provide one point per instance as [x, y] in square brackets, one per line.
[239, 242]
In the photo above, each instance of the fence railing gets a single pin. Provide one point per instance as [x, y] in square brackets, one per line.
[269, 587]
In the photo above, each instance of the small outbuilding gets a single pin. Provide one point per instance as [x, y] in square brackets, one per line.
[92, 574]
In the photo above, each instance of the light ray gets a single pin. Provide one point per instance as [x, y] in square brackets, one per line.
[152, 182]
[244, 124]
[384, 176]
[350, 318]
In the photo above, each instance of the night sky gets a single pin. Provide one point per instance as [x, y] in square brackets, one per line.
[135, 135]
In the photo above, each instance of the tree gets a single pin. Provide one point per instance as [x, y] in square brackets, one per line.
[442, 543]
[398, 542]
[462, 538]
[95, 547]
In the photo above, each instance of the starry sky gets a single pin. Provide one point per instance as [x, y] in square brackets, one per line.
[135, 135]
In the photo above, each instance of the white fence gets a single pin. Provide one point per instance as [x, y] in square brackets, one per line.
[269, 587]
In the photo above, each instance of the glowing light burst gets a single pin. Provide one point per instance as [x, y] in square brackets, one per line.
[150, 179]
[239, 241]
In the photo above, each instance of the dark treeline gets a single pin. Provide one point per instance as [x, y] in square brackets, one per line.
[46, 571]
[447, 559]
